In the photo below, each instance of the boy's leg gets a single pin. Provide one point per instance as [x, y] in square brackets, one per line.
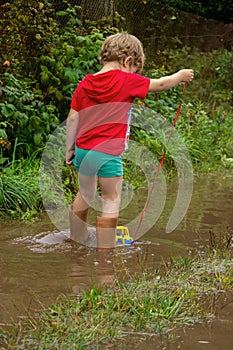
[106, 224]
[111, 195]
[79, 209]
[86, 192]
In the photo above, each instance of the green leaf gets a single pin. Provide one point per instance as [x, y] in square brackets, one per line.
[37, 138]
[3, 134]
[59, 95]
[2, 160]
[48, 59]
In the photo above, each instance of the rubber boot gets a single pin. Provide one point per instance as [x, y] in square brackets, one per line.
[78, 225]
[105, 232]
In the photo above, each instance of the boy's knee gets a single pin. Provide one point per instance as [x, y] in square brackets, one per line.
[88, 196]
[111, 207]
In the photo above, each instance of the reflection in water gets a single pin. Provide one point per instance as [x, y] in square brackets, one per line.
[38, 265]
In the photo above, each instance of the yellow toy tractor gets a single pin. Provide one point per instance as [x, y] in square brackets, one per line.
[123, 236]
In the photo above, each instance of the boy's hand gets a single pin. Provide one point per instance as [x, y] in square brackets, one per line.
[186, 75]
[69, 157]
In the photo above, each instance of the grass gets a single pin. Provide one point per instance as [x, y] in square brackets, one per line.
[19, 190]
[183, 292]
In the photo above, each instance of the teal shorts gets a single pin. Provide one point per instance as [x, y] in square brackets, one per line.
[91, 163]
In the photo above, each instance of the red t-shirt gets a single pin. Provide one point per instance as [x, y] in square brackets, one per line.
[104, 105]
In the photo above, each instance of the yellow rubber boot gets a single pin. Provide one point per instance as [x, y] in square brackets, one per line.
[105, 232]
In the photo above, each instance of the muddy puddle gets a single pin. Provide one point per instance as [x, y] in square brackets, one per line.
[37, 266]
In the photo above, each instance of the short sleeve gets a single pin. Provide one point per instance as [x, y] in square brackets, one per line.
[137, 85]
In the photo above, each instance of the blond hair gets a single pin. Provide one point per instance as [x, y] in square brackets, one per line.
[118, 47]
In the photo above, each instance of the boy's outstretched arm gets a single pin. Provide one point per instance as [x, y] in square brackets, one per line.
[71, 133]
[169, 81]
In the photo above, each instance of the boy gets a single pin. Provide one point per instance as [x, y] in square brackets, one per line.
[98, 126]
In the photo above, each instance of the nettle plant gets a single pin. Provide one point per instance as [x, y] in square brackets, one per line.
[24, 116]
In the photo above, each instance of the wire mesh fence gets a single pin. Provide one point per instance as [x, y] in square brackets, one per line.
[162, 26]
[150, 21]
[157, 25]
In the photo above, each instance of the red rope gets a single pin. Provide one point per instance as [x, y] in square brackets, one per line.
[160, 165]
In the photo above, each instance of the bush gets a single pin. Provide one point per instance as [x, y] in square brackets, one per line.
[24, 116]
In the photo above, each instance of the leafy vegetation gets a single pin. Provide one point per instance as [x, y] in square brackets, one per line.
[24, 116]
[36, 90]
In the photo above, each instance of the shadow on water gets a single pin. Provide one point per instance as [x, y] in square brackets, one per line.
[37, 265]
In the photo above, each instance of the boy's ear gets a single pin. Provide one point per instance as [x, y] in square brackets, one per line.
[128, 61]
